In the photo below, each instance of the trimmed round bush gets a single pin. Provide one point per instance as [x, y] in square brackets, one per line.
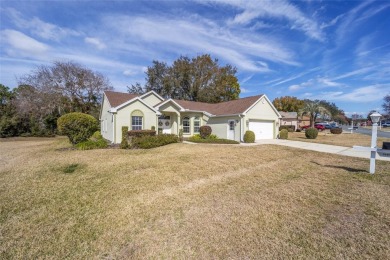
[311, 133]
[336, 131]
[249, 137]
[78, 127]
[205, 131]
[283, 134]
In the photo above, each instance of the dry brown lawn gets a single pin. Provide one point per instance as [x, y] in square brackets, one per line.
[344, 139]
[189, 201]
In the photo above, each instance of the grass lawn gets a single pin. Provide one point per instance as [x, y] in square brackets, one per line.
[189, 201]
[344, 139]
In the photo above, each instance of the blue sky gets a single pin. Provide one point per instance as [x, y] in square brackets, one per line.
[333, 50]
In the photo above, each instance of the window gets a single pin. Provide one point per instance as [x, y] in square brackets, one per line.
[196, 124]
[231, 125]
[186, 125]
[136, 123]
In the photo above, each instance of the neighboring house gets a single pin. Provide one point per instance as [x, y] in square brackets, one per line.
[227, 120]
[289, 118]
[303, 121]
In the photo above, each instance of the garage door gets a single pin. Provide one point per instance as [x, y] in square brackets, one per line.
[262, 129]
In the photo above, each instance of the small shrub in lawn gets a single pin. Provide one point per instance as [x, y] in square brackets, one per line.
[311, 133]
[91, 144]
[124, 143]
[147, 141]
[283, 134]
[77, 126]
[205, 131]
[71, 168]
[96, 141]
[197, 137]
[249, 137]
[336, 131]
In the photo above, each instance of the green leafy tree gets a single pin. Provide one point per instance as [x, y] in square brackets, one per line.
[288, 104]
[197, 79]
[313, 109]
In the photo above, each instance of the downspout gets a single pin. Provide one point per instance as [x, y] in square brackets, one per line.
[114, 127]
[240, 116]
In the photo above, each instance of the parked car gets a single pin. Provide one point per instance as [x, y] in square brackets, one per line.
[387, 124]
[319, 127]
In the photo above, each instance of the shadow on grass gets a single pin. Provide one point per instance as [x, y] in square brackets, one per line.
[349, 169]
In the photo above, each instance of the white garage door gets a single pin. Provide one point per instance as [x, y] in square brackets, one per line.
[262, 129]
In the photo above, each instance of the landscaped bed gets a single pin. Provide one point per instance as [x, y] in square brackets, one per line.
[189, 201]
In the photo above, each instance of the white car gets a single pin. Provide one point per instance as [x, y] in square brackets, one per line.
[387, 124]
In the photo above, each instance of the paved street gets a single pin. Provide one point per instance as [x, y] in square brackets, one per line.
[365, 131]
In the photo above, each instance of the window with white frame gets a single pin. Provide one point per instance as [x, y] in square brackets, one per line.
[136, 123]
[186, 125]
[196, 124]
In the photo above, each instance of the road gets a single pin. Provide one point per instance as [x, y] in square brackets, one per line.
[367, 131]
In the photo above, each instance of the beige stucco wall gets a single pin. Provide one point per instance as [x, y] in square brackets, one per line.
[151, 99]
[123, 118]
[106, 120]
[191, 116]
[219, 126]
[261, 111]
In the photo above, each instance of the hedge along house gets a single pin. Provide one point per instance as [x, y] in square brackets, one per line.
[230, 119]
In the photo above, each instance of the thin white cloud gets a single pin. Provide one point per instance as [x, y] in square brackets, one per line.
[294, 87]
[332, 22]
[253, 10]
[38, 27]
[353, 73]
[202, 36]
[95, 42]
[358, 95]
[19, 44]
[328, 83]
[295, 76]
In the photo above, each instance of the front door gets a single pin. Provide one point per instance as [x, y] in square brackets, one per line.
[165, 125]
[231, 126]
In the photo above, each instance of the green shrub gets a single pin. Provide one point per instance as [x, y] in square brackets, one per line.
[311, 133]
[96, 141]
[249, 137]
[336, 131]
[124, 143]
[289, 128]
[205, 131]
[153, 128]
[96, 136]
[91, 144]
[78, 127]
[147, 141]
[140, 133]
[283, 134]
[212, 141]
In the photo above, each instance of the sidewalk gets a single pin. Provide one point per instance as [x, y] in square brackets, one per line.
[325, 148]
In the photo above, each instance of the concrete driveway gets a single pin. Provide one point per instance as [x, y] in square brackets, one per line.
[324, 148]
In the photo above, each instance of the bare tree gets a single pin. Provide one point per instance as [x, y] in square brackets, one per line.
[64, 87]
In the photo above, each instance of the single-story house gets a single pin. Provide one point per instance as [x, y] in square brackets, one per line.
[230, 119]
[304, 121]
[289, 118]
